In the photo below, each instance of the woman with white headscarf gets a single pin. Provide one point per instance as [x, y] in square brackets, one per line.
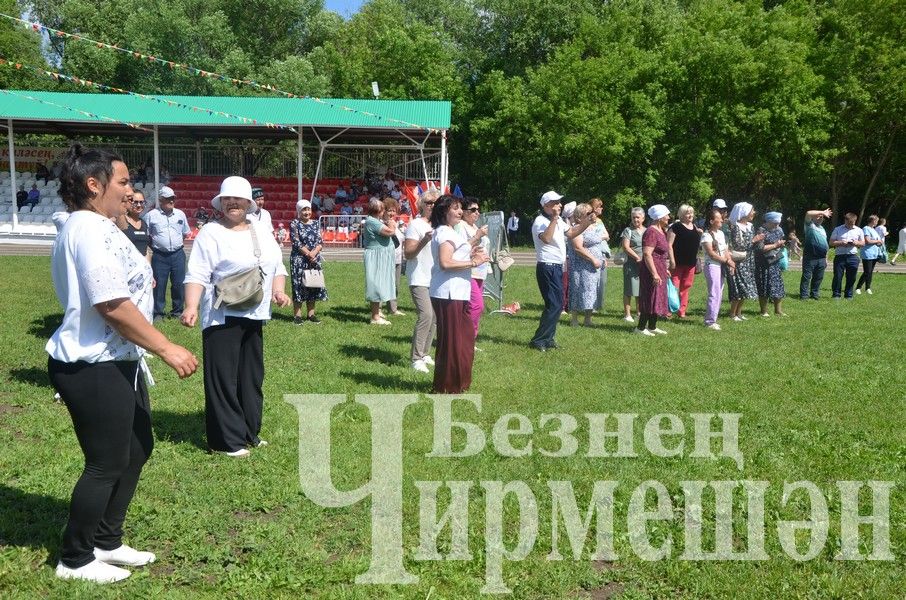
[305, 234]
[653, 272]
[741, 284]
[768, 276]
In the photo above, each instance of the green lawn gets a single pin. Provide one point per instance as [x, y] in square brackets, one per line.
[821, 395]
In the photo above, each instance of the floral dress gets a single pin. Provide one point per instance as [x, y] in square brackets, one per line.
[583, 276]
[307, 236]
[768, 276]
[653, 298]
[741, 285]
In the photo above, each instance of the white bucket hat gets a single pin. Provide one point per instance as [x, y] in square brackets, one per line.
[237, 187]
[302, 204]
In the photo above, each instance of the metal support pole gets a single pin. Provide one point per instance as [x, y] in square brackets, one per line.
[12, 171]
[300, 171]
[154, 201]
[443, 162]
[198, 157]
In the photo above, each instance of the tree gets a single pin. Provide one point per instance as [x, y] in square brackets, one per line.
[19, 46]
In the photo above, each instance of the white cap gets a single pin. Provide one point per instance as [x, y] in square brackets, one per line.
[549, 197]
[166, 192]
[237, 187]
[719, 203]
[568, 209]
[302, 204]
[657, 212]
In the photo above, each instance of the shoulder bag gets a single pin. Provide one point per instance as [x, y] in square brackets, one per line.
[243, 290]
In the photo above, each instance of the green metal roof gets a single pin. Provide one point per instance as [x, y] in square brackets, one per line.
[174, 111]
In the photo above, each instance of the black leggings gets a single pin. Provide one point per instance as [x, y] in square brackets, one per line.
[648, 319]
[112, 421]
[868, 270]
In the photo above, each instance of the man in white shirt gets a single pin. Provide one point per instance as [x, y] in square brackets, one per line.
[549, 233]
[846, 239]
[261, 217]
[168, 228]
[512, 228]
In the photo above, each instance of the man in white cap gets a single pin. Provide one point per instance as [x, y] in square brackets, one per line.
[549, 233]
[261, 217]
[167, 227]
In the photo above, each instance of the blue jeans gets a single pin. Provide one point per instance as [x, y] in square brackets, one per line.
[848, 264]
[550, 284]
[812, 276]
[173, 267]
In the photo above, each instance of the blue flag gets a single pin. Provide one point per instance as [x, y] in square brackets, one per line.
[457, 192]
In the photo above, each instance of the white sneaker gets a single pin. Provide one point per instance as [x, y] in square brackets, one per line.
[869, 292]
[858, 292]
[629, 319]
[420, 366]
[380, 321]
[241, 453]
[124, 555]
[477, 349]
[742, 317]
[767, 315]
[638, 331]
[713, 326]
[95, 571]
[737, 318]
[428, 360]
[261, 443]
[658, 331]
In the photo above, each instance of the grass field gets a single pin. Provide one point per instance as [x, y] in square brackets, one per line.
[821, 394]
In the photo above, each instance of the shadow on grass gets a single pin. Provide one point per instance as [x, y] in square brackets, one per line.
[389, 382]
[31, 376]
[180, 427]
[370, 354]
[43, 327]
[349, 314]
[31, 520]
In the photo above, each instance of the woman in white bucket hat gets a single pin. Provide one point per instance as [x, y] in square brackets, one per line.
[232, 338]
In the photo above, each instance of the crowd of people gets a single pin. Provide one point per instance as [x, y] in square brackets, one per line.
[112, 261]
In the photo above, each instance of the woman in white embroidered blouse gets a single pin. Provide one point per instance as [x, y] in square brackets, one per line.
[104, 285]
[232, 338]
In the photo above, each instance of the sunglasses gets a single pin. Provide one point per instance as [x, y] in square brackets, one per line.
[138, 202]
[474, 209]
[430, 203]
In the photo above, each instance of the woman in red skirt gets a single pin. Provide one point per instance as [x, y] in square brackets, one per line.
[451, 287]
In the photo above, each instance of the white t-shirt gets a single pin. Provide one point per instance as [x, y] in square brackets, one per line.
[219, 252]
[418, 270]
[263, 221]
[446, 283]
[93, 262]
[555, 252]
[846, 234]
[708, 239]
[481, 271]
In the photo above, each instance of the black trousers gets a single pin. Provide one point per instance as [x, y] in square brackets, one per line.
[868, 270]
[233, 376]
[112, 421]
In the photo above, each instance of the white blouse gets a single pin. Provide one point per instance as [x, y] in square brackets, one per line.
[450, 284]
[92, 262]
[219, 252]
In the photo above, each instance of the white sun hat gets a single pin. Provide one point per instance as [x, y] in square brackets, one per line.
[237, 187]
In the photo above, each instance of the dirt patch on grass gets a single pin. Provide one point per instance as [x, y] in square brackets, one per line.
[604, 565]
[610, 590]
[259, 515]
[10, 409]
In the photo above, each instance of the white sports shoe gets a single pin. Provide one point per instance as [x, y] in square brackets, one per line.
[242, 452]
[869, 292]
[420, 366]
[737, 318]
[124, 555]
[713, 326]
[658, 331]
[629, 319]
[858, 292]
[638, 331]
[95, 571]
[428, 360]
